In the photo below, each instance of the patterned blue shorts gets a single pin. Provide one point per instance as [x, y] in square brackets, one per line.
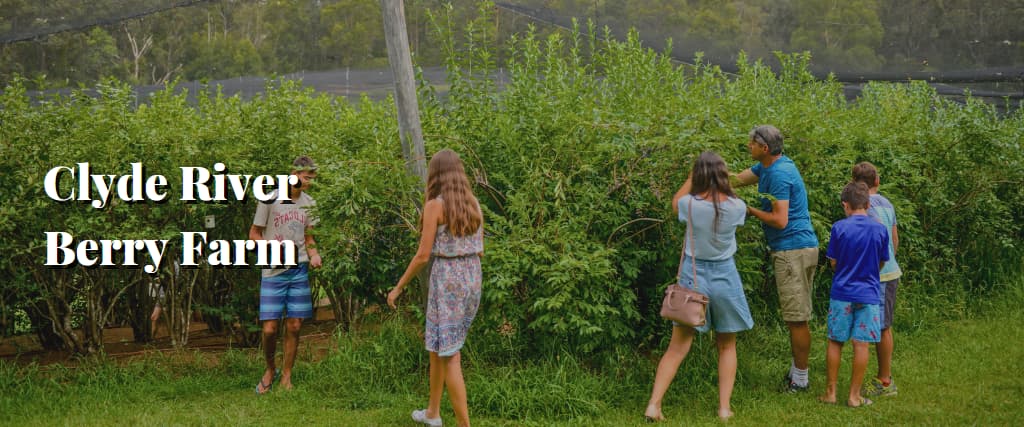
[861, 322]
[287, 292]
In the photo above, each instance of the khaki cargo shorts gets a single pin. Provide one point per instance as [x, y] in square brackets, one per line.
[794, 275]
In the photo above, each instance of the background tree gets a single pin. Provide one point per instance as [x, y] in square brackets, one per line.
[353, 34]
[843, 34]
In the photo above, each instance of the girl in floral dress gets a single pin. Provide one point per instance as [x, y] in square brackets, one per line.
[452, 234]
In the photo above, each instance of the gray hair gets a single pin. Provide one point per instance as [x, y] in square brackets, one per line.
[304, 163]
[768, 135]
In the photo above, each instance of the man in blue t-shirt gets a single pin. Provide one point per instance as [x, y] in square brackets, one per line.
[791, 239]
[857, 249]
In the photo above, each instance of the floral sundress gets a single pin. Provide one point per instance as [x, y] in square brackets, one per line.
[454, 295]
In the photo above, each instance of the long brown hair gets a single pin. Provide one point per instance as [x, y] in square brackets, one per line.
[711, 175]
[446, 179]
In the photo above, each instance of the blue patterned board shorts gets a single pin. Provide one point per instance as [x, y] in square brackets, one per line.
[861, 322]
[287, 292]
[452, 303]
[728, 311]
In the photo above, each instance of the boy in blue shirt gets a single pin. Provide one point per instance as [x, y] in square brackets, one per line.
[883, 211]
[857, 249]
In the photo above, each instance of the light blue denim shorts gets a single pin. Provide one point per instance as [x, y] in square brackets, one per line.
[728, 310]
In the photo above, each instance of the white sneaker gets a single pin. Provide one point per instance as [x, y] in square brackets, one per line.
[420, 416]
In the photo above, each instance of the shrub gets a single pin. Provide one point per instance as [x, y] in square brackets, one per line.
[574, 159]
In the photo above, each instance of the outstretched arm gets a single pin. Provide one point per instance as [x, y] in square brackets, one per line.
[743, 179]
[432, 211]
[684, 190]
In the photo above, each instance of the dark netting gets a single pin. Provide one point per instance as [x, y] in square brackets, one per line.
[955, 45]
[351, 84]
[897, 39]
[989, 63]
[30, 19]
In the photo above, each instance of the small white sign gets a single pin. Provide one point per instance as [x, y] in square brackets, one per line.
[210, 221]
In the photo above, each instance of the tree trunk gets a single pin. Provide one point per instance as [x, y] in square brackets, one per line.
[140, 305]
[346, 307]
[44, 328]
[55, 306]
[214, 293]
[6, 319]
[103, 289]
[178, 294]
[137, 51]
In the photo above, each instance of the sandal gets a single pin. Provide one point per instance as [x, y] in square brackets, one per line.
[267, 387]
[654, 418]
[863, 402]
[264, 386]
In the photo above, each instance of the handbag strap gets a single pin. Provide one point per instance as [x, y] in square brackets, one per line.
[689, 236]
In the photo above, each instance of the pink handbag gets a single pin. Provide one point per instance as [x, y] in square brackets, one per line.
[683, 305]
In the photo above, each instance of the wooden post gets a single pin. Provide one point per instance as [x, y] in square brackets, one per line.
[409, 130]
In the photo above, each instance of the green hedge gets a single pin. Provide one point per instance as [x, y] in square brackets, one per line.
[575, 159]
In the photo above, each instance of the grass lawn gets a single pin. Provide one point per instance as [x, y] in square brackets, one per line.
[966, 372]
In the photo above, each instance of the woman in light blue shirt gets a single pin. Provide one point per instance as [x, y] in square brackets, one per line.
[711, 211]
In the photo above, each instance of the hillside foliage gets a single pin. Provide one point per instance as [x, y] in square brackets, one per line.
[232, 38]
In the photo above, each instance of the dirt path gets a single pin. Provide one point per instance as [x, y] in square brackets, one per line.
[119, 343]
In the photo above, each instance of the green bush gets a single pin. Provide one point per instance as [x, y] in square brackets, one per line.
[574, 158]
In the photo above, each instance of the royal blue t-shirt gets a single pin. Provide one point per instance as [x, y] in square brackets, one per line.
[784, 182]
[859, 244]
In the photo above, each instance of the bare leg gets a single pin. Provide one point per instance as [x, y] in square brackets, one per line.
[726, 372]
[884, 352]
[800, 343]
[291, 346]
[833, 356]
[154, 321]
[438, 370]
[457, 388]
[678, 347]
[860, 364]
[269, 351]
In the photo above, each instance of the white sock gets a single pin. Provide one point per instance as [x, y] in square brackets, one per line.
[798, 376]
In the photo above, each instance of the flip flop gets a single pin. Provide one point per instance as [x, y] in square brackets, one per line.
[863, 402]
[267, 387]
[827, 402]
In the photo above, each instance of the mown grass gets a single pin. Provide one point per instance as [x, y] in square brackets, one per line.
[956, 372]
